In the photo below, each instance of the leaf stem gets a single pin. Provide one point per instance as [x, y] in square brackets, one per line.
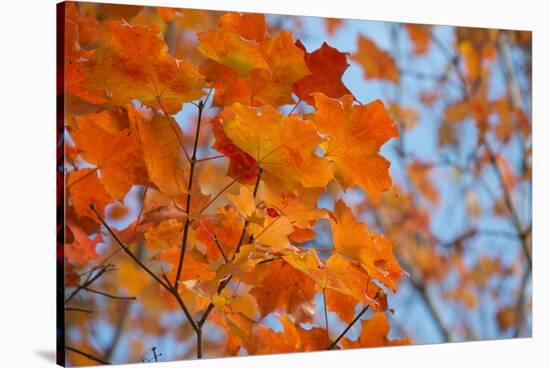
[209, 158]
[169, 117]
[326, 313]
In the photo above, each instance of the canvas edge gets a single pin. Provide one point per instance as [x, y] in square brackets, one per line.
[60, 183]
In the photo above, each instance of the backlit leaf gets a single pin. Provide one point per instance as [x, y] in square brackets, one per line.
[355, 135]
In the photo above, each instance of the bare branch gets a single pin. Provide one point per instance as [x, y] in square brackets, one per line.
[75, 309]
[188, 202]
[90, 281]
[348, 327]
[87, 355]
[125, 249]
[110, 295]
[224, 283]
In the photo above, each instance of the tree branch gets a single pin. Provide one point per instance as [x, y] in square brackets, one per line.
[326, 313]
[209, 158]
[171, 290]
[87, 355]
[520, 303]
[188, 202]
[110, 295]
[125, 249]
[90, 281]
[510, 204]
[224, 283]
[348, 327]
[75, 309]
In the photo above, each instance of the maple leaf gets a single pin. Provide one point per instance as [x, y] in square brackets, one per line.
[85, 189]
[297, 203]
[374, 332]
[273, 232]
[302, 234]
[238, 330]
[222, 230]
[419, 174]
[278, 285]
[83, 248]
[75, 58]
[293, 338]
[376, 63]
[228, 48]
[166, 234]
[244, 304]
[249, 26]
[332, 25]
[420, 37]
[263, 86]
[105, 139]
[373, 251]
[88, 27]
[244, 202]
[284, 146]
[327, 65]
[341, 279]
[242, 263]
[161, 141]
[242, 166]
[355, 135]
[158, 207]
[133, 63]
[194, 268]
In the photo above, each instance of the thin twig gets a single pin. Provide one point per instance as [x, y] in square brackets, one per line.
[170, 289]
[110, 295]
[521, 302]
[510, 204]
[115, 252]
[75, 309]
[82, 178]
[188, 202]
[125, 249]
[213, 199]
[220, 247]
[348, 327]
[209, 158]
[224, 283]
[90, 281]
[174, 129]
[326, 314]
[245, 226]
[295, 106]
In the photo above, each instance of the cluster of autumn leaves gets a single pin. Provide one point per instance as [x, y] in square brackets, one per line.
[269, 131]
[229, 241]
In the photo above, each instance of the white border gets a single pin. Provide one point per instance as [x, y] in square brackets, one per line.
[27, 180]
